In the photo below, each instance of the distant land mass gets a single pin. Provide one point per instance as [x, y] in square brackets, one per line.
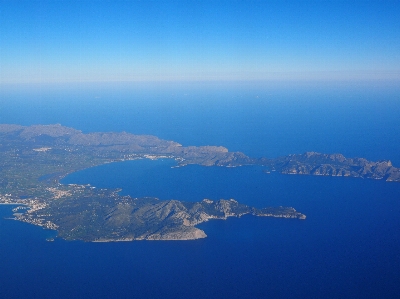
[333, 165]
[35, 158]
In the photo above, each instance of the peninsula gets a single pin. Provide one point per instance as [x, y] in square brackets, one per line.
[334, 165]
[35, 158]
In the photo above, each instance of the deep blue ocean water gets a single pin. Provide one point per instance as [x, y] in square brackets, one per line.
[348, 247]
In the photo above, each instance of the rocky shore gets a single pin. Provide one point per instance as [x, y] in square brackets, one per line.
[34, 158]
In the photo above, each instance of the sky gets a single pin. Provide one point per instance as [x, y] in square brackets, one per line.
[113, 41]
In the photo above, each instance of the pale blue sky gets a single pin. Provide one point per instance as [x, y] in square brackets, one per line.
[67, 41]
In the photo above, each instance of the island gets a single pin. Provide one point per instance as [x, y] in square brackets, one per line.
[35, 158]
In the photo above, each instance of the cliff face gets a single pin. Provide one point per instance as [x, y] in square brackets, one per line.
[335, 165]
[122, 144]
[89, 215]
[32, 159]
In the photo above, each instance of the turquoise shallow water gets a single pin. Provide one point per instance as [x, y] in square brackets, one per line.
[348, 247]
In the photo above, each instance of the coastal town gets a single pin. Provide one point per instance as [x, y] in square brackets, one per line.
[34, 159]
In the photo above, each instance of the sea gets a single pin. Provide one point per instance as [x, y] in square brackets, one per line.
[348, 247]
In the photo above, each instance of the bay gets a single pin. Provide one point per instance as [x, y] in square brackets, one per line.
[348, 247]
[345, 248]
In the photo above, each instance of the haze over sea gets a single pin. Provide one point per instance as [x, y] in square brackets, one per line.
[348, 247]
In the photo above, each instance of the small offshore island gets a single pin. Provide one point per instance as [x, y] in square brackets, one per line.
[35, 158]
